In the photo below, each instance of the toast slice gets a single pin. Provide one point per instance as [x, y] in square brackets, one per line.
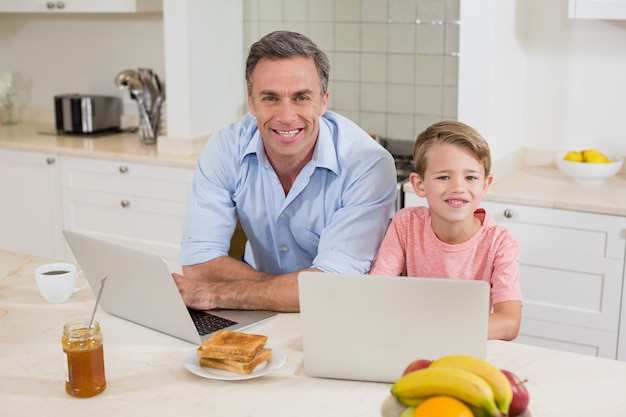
[234, 346]
[242, 368]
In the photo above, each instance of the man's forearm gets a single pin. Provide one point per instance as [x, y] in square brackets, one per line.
[224, 268]
[236, 285]
[279, 293]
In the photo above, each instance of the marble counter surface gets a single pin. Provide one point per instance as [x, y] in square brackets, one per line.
[546, 186]
[146, 376]
[119, 147]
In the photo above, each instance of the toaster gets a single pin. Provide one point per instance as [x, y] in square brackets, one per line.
[77, 113]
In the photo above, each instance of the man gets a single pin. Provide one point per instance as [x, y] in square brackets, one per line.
[311, 189]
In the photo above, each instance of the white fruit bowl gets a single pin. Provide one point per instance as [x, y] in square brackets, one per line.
[586, 173]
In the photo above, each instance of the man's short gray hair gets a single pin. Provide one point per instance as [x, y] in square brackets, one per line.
[286, 44]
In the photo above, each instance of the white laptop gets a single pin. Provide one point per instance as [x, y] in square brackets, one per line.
[369, 328]
[140, 288]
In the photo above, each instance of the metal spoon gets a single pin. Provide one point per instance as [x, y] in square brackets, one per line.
[128, 80]
[102, 281]
[121, 79]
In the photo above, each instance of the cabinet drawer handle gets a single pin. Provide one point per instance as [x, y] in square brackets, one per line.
[50, 160]
[123, 169]
[125, 203]
[508, 213]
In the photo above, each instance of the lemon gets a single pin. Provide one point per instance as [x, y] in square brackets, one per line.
[588, 152]
[573, 156]
[596, 158]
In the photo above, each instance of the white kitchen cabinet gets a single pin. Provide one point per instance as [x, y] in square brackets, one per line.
[572, 272]
[597, 9]
[80, 6]
[30, 213]
[136, 205]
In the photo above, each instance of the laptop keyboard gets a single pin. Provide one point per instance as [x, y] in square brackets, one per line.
[208, 323]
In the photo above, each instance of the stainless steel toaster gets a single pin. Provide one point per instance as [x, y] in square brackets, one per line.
[77, 113]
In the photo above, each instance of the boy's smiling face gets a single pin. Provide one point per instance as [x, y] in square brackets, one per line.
[454, 183]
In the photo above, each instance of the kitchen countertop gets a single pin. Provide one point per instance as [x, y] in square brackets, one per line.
[517, 179]
[546, 186]
[120, 147]
[146, 376]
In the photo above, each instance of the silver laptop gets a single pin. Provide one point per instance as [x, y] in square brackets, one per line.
[140, 288]
[369, 328]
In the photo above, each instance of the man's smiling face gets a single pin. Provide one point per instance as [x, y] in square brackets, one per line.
[287, 101]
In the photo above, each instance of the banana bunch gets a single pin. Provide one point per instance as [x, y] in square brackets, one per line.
[474, 381]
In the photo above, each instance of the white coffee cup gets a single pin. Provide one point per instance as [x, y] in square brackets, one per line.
[57, 281]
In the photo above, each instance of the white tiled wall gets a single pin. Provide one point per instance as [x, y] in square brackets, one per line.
[394, 62]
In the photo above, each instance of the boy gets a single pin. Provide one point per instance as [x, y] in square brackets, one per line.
[453, 237]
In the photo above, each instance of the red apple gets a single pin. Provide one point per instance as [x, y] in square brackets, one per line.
[416, 365]
[520, 394]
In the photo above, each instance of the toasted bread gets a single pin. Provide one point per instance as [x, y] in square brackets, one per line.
[227, 345]
[242, 368]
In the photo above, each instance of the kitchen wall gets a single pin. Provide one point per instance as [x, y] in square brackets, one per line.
[575, 78]
[65, 53]
[555, 82]
[395, 62]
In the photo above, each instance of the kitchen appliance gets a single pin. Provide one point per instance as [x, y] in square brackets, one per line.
[77, 113]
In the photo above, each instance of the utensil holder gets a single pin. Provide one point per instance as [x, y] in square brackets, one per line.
[147, 89]
[150, 125]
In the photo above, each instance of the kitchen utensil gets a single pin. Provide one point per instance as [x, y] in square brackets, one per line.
[121, 79]
[129, 80]
[156, 110]
[150, 90]
[136, 88]
[147, 90]
[102, 281]
[160, 87]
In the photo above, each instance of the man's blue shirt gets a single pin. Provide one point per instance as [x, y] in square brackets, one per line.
[333, 218]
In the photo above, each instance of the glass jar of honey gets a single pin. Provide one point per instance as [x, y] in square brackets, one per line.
[84, 359]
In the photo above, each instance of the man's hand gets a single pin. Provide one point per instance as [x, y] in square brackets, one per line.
[197, 294]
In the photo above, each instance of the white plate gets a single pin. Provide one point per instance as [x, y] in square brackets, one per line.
[192, 363]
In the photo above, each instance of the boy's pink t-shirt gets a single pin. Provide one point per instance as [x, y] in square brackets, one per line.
[411, 248]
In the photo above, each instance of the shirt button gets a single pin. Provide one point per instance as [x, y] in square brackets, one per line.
[282, 215]
[284, 249]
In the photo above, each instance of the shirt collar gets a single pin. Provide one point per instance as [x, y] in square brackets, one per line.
[324, 155]
[325, 150]
[255, 145]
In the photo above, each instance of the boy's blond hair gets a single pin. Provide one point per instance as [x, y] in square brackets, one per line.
[450, 132]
